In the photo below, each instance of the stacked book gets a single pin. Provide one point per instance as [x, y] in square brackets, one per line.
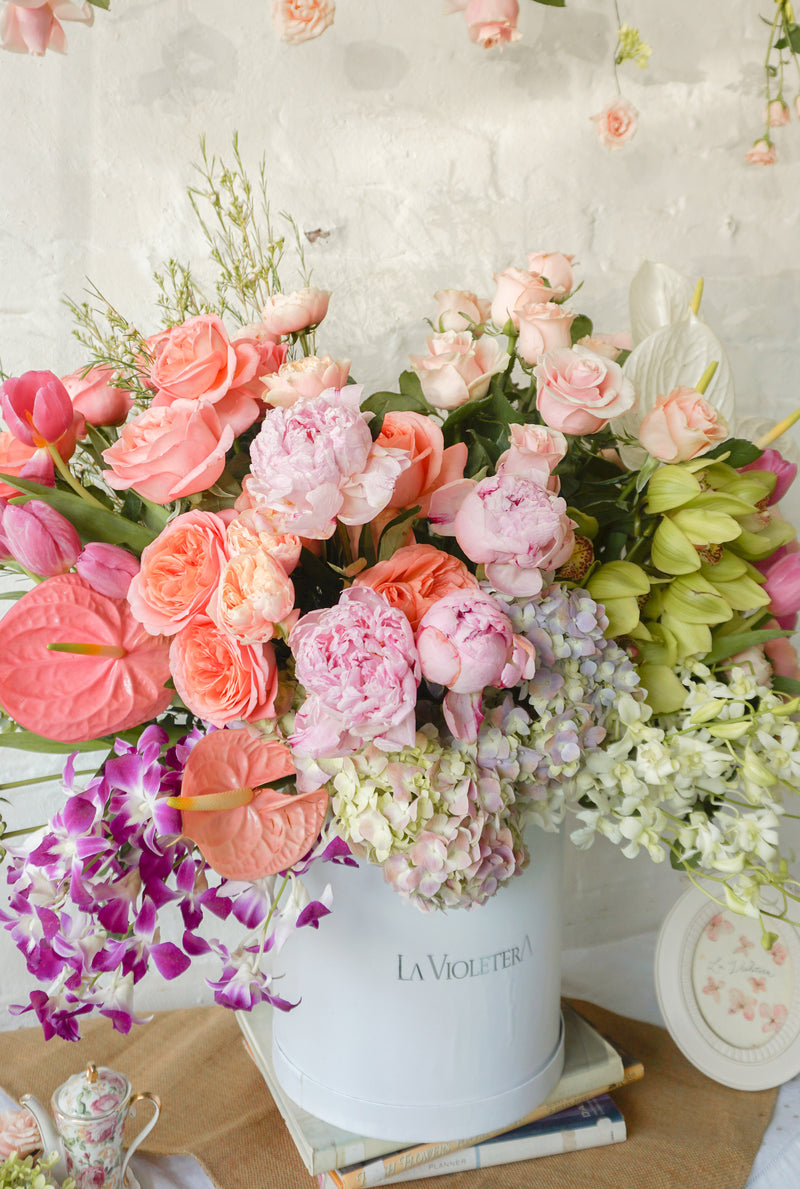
[577, 1114]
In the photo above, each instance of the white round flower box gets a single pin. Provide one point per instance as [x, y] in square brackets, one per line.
[425, 1026]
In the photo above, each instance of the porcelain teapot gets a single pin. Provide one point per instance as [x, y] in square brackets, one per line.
[89, 1113]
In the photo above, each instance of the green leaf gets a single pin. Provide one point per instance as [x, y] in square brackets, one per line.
[581, 326]
[553, 3]
[381, 403]
[786, 685]
[410, 386]
[395, 533]
[92, 524]
[29, 741]
[740, 452]
[490, 417]
[727, 646]
[106, 4]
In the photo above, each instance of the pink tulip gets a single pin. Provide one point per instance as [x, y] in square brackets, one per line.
[40, 539]
[108, 569]
[95, 396]
[772, 460]
[36, 408]
[782, 584]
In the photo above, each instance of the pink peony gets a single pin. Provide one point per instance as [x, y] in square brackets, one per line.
[167, 453]
[459, 310]
[466, 642]
[289, 313]
[304, 379]
[492, 22]
[579, 392]
[94, 395]
[617, 123]
[359, 667]
[458, 368]
[763, 152]
[516, 528]
[315, 463]
[33, 26]
[179, 573]
[681, 426]
[19, 1133]
[301, 20]
[220, 680]
[543, 326]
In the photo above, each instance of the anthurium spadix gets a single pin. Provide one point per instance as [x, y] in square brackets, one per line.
[669, 354]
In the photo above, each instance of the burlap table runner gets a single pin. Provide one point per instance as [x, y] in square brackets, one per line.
[684, 1130]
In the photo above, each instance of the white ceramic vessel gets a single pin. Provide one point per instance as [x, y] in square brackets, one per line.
[425, 1026]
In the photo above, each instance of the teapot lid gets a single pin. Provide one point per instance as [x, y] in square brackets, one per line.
[95, 1092]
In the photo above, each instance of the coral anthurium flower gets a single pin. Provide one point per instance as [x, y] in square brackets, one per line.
[245, 831]
[75, 664]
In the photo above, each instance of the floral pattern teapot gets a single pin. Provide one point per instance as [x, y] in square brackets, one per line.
[89, 1113]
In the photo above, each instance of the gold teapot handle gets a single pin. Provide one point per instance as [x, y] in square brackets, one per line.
[156, 1101]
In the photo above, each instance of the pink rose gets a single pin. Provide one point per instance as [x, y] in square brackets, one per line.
[254, 594]
[770, 460]
[608, 345]
[271, 353]
[516, 285]
[179, 573]
[220, 680]
[458, 368]
[358, 665]
[170, 452]
[493, 22]
[315, 462]
[430, 464]
[18, 1133]
[777, 113]
[543, 326]
[516, 528]
[579, 392]
[535, 451]
[681, 426]
[301, 20]
[763, 152]
[289, 313]
[459, 310]
[108, 569]
[305, 378]
[553, 267]
[466, 642]
[415, 577]
[32, 26]
[617, 123]
[196, 361]
[94, 395]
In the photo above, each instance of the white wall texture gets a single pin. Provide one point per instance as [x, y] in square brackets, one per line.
[429, 163]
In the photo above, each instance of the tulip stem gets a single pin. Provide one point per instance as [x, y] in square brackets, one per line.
[694, 304]
[707, 377]
[69, 478]
[777, 430]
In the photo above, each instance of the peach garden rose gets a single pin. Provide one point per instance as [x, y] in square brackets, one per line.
[296, 21]
[616, 124]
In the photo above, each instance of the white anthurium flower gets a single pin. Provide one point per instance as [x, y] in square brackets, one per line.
[658, 296]
[673, 356]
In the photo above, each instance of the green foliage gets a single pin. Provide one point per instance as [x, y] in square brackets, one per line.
[381, 402]
[738, 452]
[30, 1173]
[92, 524]
[581, 327]
[726, 646]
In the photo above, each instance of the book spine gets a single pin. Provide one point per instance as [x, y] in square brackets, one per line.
[378, 1171]
[596, 1134]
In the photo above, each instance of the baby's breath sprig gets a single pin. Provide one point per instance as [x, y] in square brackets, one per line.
[112, 341]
